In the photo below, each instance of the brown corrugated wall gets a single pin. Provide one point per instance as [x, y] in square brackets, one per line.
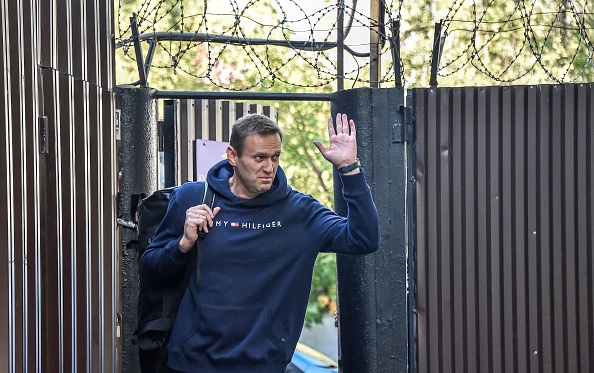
[504, 226]
[59, 277]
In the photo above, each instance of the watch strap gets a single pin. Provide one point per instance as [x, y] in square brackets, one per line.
[350, 167]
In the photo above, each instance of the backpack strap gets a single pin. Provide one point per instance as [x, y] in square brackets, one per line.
[209, 197]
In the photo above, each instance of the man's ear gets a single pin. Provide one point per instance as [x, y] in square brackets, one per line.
[231, 156]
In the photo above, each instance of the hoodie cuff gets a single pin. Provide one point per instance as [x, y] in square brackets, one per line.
[354, 183]
[177, 256]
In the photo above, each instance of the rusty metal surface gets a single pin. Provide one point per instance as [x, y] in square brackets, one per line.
[58, 210]
[503, 236]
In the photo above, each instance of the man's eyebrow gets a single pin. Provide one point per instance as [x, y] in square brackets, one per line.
[260, 154]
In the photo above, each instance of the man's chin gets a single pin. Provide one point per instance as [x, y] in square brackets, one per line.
[265, 187]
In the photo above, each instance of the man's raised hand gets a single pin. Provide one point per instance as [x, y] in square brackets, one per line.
[343, 142]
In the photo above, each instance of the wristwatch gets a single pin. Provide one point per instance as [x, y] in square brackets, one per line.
[350, 167]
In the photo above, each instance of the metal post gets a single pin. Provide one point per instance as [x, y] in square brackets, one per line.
[169, 151]
[436, 55]
[340, 47]
[395, 49]
[373, 322]
[411, 251]
[139, 177]
[138, 51]
[374, 44]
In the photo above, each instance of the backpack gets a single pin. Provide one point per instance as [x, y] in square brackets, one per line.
[157, 304]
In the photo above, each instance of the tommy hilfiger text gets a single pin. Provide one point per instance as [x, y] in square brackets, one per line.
[245, 225]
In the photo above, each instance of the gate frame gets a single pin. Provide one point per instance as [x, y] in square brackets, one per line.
[394, 134]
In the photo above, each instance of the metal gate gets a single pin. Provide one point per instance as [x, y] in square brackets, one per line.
[186, 120]
[504, 222]
[59, 278]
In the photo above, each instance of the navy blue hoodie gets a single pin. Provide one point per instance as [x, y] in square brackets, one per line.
[257, 265]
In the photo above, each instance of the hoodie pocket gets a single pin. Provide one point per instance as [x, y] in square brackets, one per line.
[233, 332]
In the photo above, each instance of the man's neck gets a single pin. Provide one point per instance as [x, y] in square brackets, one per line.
[236, 190]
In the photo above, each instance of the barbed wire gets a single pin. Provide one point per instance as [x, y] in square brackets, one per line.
[251, 44]
[519, 38]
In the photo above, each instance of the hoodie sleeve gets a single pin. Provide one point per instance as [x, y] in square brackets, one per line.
[359, 232]
[162, 259]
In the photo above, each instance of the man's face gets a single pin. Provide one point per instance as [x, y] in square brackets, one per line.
[256, 168]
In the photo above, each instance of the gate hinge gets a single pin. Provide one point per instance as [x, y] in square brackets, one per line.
[402, 132]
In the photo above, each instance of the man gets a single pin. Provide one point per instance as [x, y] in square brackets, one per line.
[247, 312]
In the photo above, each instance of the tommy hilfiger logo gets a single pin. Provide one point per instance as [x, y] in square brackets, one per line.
[245, 225]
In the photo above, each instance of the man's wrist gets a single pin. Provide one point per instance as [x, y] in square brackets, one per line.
[185, 245]
[355, 171]
[350, 168]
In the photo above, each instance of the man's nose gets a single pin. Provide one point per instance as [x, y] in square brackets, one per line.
[268, 165]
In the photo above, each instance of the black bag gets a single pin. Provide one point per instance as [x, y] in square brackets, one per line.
[157, 304]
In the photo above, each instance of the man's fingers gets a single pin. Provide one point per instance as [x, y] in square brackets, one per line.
[343, 125]
[209, 219]
[331, 129]
[203, 210]
[201, 217]
[339, 124]
[320, 147]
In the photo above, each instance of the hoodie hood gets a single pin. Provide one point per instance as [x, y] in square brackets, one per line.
[218, 179]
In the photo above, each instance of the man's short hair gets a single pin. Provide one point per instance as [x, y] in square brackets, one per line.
[252, 124]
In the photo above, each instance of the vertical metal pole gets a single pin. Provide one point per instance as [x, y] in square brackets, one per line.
[138, 51]
[374, 44]
[169, 153]
[340, 47]
[139, 176]
[373, 321]
[411, 252]
[395, 49]
[436, 54]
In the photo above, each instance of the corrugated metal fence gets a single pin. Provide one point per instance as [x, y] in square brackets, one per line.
[504, 224]
[59, 280]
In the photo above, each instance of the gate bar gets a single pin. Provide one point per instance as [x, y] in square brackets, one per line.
[264, 96]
